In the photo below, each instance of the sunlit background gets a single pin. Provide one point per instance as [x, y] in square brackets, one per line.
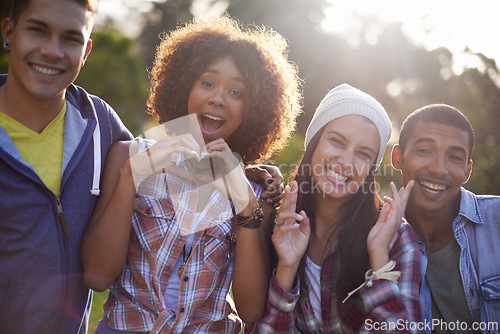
[405, 53]
[450, 23]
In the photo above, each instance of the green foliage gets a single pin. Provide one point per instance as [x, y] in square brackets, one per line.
[391, 62]
[164, 17]
[98, 299]
[116, 73]
[419, 76]
[485, 170]
[4, 62]
[288, 159]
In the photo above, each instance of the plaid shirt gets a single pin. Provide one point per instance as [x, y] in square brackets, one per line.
[386, 301]
[136, 299]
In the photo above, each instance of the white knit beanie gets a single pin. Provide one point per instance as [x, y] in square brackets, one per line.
[346, 100]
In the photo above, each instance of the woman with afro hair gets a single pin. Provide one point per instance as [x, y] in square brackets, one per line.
[163, 234]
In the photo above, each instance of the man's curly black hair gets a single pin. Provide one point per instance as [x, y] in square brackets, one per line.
[272, 101]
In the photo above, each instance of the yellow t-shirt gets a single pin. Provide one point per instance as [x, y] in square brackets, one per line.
[43, 151]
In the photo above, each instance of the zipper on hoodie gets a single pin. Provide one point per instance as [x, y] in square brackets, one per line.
[62, 220]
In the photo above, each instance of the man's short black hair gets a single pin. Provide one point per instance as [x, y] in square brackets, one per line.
[436, 113]
[19, 6]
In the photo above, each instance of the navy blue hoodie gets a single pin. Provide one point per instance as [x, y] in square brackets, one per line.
[41, 286]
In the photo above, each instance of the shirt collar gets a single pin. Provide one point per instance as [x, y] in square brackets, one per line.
[469, 207]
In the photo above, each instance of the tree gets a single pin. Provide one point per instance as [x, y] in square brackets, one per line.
[164, 17]
[376, 57]
[116, 72]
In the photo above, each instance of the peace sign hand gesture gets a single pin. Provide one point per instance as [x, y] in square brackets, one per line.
[290, 237]
[390, 218]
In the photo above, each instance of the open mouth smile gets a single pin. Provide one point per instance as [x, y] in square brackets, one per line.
[432, 188]
[336, 176]
[210, 123]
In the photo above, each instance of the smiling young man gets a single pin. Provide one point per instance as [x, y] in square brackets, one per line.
[459, 230]
[54, 138]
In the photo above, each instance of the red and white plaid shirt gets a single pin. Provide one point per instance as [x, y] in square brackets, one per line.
[136, 299]
[386, 301]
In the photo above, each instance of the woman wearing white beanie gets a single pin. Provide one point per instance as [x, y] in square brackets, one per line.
[347, 262]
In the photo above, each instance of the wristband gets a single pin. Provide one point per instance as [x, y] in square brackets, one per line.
[251, 222]
[382, 273]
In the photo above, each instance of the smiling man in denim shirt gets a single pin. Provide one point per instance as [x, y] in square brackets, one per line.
[458, 230]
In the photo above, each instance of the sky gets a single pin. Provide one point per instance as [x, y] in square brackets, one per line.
[455, 24]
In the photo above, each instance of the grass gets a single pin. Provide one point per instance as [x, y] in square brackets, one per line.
[96, 314]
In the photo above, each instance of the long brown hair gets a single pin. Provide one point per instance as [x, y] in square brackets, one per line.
[358, 216]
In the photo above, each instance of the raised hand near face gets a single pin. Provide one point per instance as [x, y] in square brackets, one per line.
[390, 218]
[290, 237]
[270, 178]
[223, 170]
[158, 157]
